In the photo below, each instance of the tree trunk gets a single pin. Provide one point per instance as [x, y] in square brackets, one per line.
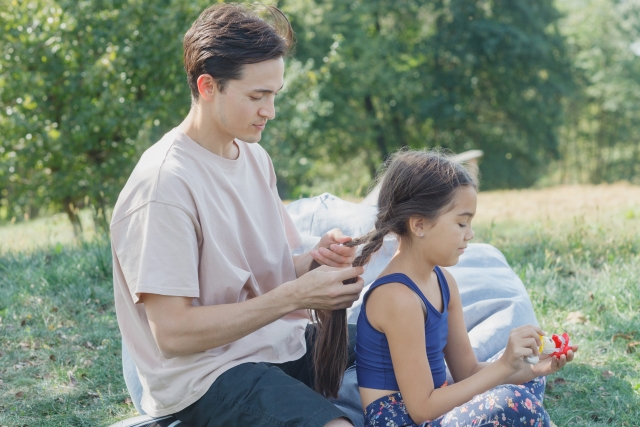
[72, 214]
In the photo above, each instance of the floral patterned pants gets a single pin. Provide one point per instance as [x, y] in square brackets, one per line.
[506, 405]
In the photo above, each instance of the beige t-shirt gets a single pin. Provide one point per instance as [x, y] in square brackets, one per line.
[193, 224]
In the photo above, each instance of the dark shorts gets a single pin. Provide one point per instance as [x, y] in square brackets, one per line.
[264, 394]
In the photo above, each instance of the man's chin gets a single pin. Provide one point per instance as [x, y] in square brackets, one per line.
[251, 138]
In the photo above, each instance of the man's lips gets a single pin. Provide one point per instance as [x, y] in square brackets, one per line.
[260, 126]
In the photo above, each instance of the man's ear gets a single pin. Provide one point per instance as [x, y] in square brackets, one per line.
[207, 87]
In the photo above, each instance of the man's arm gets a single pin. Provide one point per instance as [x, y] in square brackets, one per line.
[328, 251]
[180, 328]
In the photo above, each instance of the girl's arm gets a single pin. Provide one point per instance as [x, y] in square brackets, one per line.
[396, 311]
[461, 359]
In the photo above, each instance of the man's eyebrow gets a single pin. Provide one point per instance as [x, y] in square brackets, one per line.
[267, 90]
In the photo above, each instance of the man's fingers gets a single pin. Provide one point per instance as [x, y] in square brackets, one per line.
[348, 273]
[354, 289]
[344, 251]
[336, 235]
[332, 255]
[322, 260]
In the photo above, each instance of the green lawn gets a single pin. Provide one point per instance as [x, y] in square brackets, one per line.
[60, 345]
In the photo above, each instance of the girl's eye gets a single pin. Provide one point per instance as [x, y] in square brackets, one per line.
[462, 225]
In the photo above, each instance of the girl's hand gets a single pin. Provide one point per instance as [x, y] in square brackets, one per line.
[523, 342]
[551, 364]
[330, 252]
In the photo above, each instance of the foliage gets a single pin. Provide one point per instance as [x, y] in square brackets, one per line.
[454, 74]
[599, 140]
[85, 86]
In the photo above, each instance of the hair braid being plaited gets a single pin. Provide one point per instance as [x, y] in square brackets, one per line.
[415, 183]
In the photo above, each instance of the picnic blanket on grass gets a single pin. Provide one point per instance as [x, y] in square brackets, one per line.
[494, 298]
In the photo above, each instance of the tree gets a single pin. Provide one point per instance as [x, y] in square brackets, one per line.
[85, 86]
[600, 136]
[456, 74]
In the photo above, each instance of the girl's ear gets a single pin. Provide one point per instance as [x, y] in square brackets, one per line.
[417, 226]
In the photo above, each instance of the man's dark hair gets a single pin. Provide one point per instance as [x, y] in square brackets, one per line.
[226, 36]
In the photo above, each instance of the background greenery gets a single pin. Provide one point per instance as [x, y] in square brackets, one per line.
[60, 344]
[548, 90]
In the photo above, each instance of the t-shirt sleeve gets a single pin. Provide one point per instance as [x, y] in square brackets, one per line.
[157, 248]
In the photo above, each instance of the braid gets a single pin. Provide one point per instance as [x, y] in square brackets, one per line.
[332, 340]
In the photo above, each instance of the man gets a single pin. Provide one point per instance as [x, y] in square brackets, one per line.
[210, 302]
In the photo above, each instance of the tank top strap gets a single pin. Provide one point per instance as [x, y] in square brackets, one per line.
[396, 278]
[444, 285]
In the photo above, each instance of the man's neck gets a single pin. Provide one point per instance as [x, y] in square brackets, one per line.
[203, 130]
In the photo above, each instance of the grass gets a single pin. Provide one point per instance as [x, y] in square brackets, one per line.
[577, 249]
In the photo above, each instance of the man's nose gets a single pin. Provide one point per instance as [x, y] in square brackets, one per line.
[268, 110]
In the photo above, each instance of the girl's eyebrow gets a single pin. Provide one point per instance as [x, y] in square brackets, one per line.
[469, 214]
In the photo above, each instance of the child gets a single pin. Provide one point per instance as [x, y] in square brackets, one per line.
[411, 319]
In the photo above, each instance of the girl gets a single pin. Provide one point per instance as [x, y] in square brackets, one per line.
[411, 319]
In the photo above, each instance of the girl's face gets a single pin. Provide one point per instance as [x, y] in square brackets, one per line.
[447, 239]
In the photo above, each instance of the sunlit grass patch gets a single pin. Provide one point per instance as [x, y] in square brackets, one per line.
[60, 357]
[582, 272]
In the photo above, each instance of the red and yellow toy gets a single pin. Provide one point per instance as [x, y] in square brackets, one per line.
[556, 346]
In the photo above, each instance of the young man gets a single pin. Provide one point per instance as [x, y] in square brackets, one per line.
[210, 302]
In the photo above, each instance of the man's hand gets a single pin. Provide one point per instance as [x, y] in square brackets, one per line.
[329, 250]
[322, 288]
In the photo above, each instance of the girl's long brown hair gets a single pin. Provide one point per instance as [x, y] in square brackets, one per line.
[415, 183]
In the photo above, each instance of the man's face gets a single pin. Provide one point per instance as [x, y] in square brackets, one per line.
[244, 107]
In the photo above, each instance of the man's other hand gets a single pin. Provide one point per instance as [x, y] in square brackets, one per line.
[330, 251]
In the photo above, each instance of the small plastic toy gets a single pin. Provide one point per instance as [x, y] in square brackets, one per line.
[556, 345]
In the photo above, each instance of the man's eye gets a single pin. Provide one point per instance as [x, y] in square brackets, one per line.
[253, 98]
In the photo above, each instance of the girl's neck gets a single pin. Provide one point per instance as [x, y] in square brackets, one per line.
[410, 261]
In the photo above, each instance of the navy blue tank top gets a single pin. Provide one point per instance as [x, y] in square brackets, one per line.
[373, 359]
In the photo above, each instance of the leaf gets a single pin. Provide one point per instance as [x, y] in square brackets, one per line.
[72, 379]
[631, 347]
[607, 374]
[621, 335]
[19, 395]
[576, 317]
[127, 401]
